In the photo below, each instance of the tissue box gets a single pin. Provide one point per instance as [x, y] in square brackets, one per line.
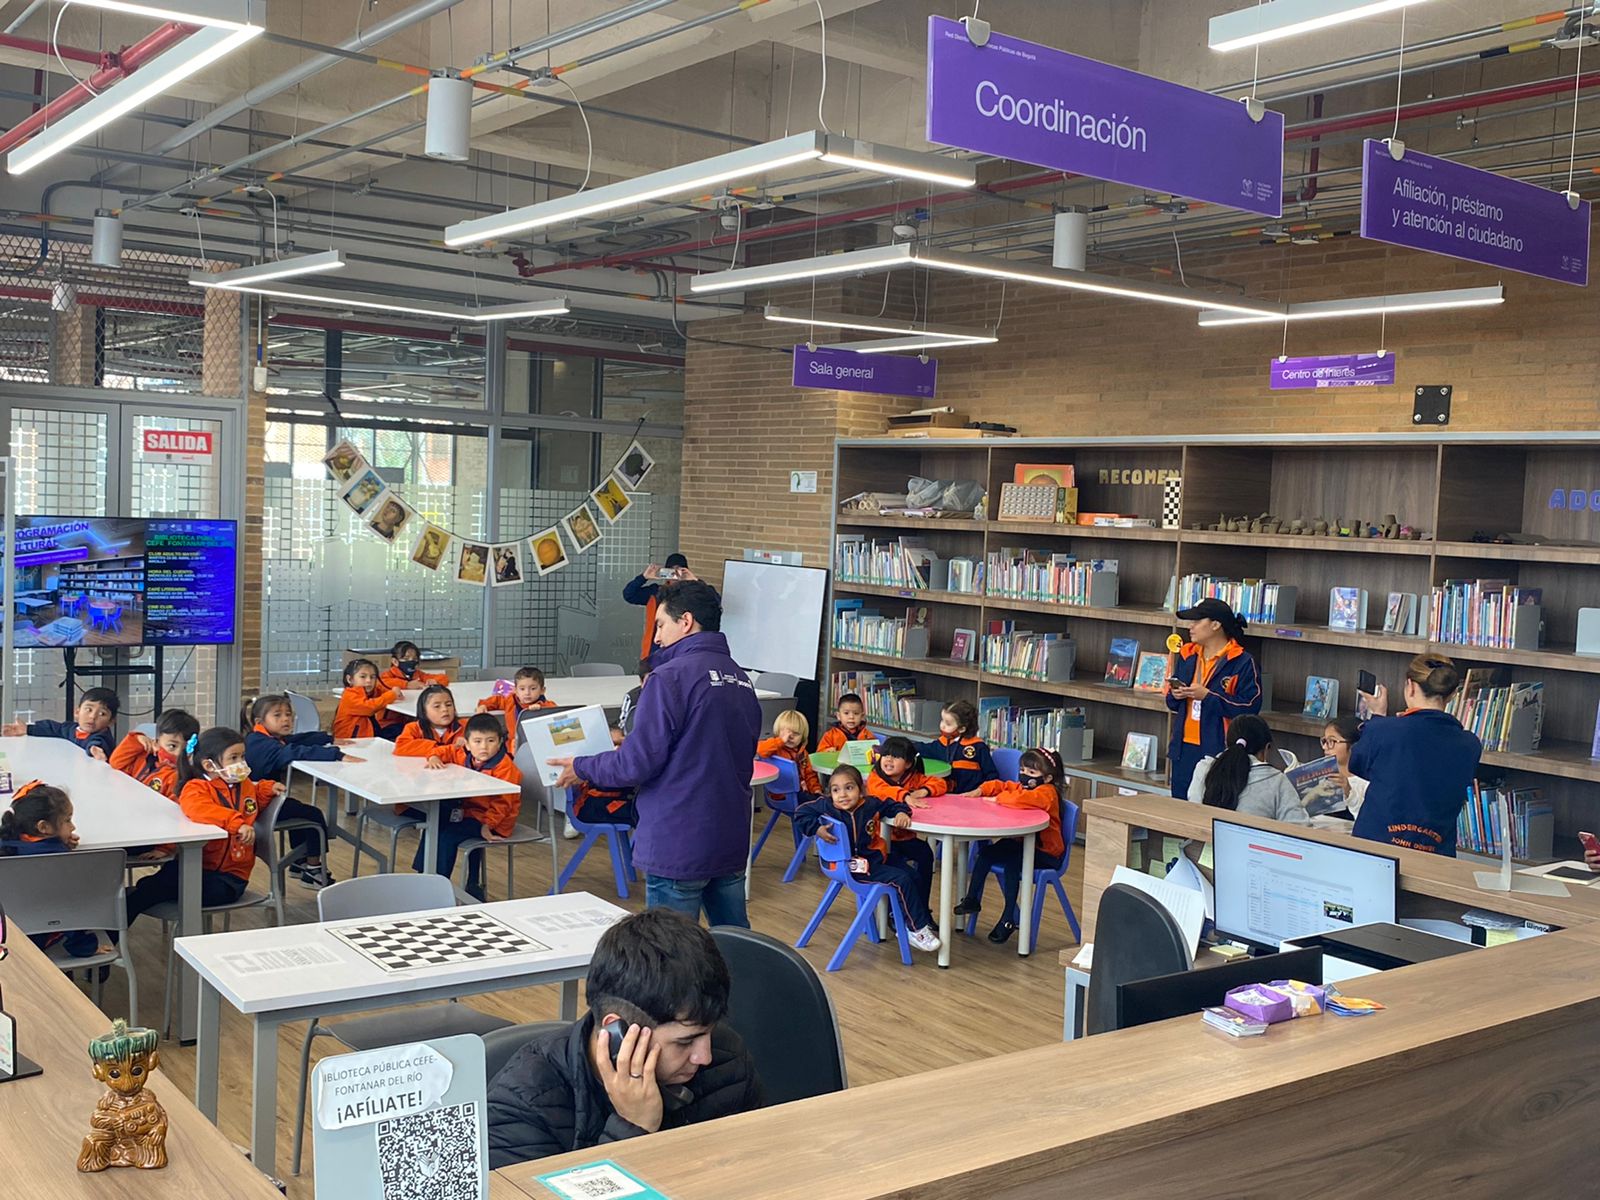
[1265, 1004]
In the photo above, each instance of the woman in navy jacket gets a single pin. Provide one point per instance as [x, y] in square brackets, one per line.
[1418, 765]
[1214, 680]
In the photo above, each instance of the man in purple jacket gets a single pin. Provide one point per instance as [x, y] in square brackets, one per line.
[689, 759]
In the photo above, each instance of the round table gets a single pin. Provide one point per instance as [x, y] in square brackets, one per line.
[762, 773]
[824, 761]
[957, 819]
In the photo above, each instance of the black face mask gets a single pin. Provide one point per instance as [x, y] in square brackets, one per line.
[408, 669]
[1029, 782]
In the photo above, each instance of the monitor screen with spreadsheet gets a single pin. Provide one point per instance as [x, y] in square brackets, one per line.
[1274, 886]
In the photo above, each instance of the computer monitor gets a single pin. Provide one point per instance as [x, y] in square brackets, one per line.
[1271, 887]
[1142, 1001]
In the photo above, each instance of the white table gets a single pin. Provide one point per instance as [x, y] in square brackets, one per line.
[389, 778]
[608, 691]
[303, 973]
[115, 811]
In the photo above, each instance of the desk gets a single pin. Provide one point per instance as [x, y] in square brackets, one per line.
[313, 975]
[1072, 1014]
[824, 761]
[28, 604]
[45, 1117]
[1427, 879]
[388, 778]
[608, 691]
[1473, 1084]
[114, 811]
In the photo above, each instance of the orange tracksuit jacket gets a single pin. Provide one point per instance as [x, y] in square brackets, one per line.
[834, 737]
[1013, 795]
[773, 747]
[393, 677]
[230, 807]
[416, 742]
[512, 710]
[885, 789]
[499, 813]
[147, 766]
[359, 710]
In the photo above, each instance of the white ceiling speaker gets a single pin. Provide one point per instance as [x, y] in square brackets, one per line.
[106, 249]
[449, 132]
[1071, 250]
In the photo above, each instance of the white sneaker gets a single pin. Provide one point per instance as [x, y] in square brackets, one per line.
[570, 833]
[924, 938]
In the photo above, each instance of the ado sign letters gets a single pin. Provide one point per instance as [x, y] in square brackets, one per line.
[178, 445]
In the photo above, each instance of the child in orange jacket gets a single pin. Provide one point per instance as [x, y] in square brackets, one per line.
[492, 818]
[363, 704]
[527, 694]
[1041, 772]
[436, 727]
[214, 789]
[404, 669]
[898, 775]
[154, 763]
[849, 725]
[606, 806]
[790, 731]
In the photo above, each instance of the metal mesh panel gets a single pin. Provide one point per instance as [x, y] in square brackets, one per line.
[140, 327]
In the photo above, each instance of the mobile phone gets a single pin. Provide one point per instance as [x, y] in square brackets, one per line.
[1590, 842]
[667, 573]
[1366, 685]
[616, 1032]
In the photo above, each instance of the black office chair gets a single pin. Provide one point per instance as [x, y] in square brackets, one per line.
[1134, 938]
[784, 1015]
[500, 1044]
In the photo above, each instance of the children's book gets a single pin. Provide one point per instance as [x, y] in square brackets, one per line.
[963, 645]
[1392, 613]
[1139, 752]
[1594, 749]
[918, 616]
[1347, 609]
[857, 754]
[1119, 667]
[1151, 673]
[1322, 698]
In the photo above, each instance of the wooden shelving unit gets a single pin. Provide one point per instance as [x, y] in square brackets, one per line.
[1455, 489]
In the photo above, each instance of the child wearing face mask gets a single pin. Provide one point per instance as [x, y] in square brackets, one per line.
[1040, 771]
[214, 789]
[405, 669]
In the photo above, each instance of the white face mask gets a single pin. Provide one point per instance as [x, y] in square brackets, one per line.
[234, 772]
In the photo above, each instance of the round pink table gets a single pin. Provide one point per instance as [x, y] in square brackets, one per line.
[761, 774]
[957, 819]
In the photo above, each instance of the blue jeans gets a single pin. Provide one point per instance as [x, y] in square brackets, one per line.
[722, 898]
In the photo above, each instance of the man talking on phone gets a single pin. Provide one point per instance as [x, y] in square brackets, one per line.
[644, 587]
[652, 1053]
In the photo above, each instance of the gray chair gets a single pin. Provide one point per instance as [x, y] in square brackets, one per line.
[306, 717]
[501, 1044]
[782, 683]
[522, 835]
[386, 896]
[783, 1014]
[596, 670]
[59, 893]
[384, 816]
[1135, 937]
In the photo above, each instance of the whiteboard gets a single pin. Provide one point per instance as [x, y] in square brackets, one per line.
[772, 616]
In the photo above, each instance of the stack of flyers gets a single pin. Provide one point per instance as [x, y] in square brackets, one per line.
[1341, 1005]
[1234, 1024]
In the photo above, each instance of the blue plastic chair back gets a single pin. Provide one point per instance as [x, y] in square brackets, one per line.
[788, 781]
[835, 855]
[1008, 762]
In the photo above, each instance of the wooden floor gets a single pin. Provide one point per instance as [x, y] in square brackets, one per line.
[896, 1020]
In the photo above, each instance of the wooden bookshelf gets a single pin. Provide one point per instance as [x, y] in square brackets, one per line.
[1454, 488]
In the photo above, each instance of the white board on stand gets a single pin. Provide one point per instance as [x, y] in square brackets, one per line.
[772, 615]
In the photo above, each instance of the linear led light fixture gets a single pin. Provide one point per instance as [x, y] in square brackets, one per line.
[546, 306]
[1280, 19]
[879, 258]
[1364, 306]
[223, 14]
[915, 342]
[692, 178]
[278, 268]
[196, 52]
[948, 335]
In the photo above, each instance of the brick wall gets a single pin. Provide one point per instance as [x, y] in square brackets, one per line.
[255, 492]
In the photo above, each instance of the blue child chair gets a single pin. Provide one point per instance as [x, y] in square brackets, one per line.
[1049, 878]
[1008, 762]
[835, 859]
[786, 786]
[619, 839]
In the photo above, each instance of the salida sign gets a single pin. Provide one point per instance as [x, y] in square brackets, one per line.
[178, 445]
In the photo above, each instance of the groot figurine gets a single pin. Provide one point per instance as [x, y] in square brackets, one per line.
[129, 1126]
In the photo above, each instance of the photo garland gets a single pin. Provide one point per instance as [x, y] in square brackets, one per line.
[482, 563]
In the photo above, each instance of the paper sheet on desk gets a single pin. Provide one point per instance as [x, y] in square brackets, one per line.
[1188, 908]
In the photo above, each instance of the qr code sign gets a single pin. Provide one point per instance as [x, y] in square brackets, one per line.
[601, 1181]
[432, 1155]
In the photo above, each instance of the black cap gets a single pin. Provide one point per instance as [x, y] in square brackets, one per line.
[676, 560]
[1212, 609]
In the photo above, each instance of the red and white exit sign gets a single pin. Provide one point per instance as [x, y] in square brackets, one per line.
[178, 445]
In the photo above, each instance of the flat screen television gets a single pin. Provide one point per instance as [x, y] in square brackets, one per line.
[124, 581]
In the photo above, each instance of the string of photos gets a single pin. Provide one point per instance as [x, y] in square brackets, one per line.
[475, 562]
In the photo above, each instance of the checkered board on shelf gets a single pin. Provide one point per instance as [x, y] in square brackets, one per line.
[443, 939]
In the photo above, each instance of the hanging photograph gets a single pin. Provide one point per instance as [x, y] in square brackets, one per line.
[635, 465]
[507, 563]
[388, 516]
[548, 552]
[611, 499]
[345, 462]
[581, 528]
[472, 564]
[430, 547]
[364, 490]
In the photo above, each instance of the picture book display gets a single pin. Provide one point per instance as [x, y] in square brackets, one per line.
[1151, 673]
[1139, 752]
[442, 939]
[1347, 609]
[1120, 664]
[571, 733]
[1322, 698]
[964, 645]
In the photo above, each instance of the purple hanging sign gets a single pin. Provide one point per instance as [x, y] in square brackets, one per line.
[1037, 104]
[1333, 371]
[1433, 204]
[850, 371]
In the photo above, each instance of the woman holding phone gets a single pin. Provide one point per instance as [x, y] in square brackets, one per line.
[1214, 681]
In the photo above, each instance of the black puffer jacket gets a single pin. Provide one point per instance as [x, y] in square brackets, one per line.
[547, 1100]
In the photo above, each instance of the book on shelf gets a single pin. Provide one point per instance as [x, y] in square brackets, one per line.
[1506, 717]
[869, 631]
[1322, 698]
[1023, 574]
[1120, 662]
[1140, 752]
[1347, 609]
[906, 562]
[1151, 673]
[1024, 728]
[891, 701]
[965, 575]
[1531, 827]
[1400, 614]
[1253, 599]
[1588, 631]
[963, 645]
[1318, 784]
[1048, 657]
[1492, 613]
[1061, 475]
[918, 616]
[988, 705]
[1594, 747]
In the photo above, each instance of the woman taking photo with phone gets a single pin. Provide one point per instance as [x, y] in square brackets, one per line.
[1214, 681]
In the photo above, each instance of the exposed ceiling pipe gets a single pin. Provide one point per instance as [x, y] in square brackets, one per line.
[45, 48]
[1430, 108]
[22, 18]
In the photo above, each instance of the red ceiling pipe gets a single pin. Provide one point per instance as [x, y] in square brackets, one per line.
[126, 62]
[1433, 108]
[37, 47]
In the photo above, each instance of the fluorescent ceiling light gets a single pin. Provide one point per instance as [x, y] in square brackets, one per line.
[196, 52]
[916, 341]
[1364, 306]
[878, 258]
[548, 306]
[690, 179]
[222, 14]
[834, 320]
[277, 268]
[1288, 18]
